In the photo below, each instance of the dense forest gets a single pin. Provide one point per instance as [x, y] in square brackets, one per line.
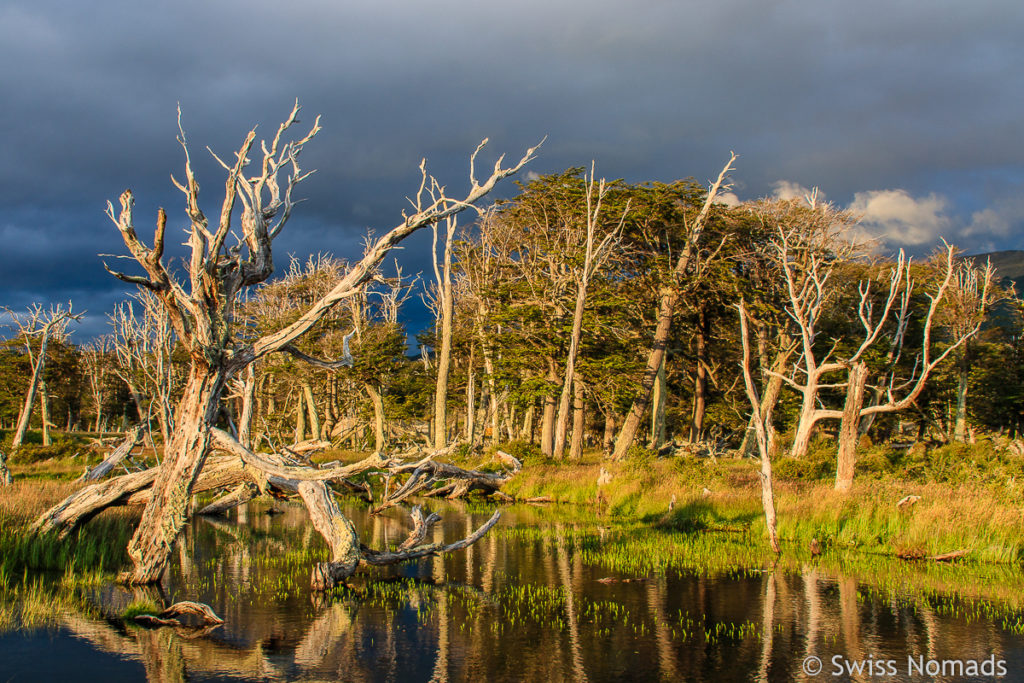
[546, 310]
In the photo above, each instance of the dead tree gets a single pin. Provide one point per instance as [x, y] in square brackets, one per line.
[443, 301]
[247, 474]
[595, 255]
[668, 300]
[805, 249]
[966, 309]
[143, 342]
[221, 263]
[48, 325]
[96, 361]
[761, 420]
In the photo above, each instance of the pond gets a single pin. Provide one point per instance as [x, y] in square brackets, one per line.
[551, 594]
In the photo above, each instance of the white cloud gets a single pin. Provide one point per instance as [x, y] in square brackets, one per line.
[727, 199]
[999, 220]
[902, 220]
[787, 189]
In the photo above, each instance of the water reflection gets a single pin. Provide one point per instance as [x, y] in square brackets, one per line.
[514, 607]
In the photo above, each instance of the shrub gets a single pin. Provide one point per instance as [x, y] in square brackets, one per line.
[818, 464]
[640, 460]
[62, 447]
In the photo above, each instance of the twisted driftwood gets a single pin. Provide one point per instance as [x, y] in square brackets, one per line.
[167, 617]
[245, 474]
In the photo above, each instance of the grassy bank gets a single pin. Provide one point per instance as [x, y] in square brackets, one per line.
[979, 509]
[970, 498]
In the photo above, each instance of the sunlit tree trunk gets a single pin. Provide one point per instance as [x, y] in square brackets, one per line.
[300, 418]
[30, 395]
[248, 407]
[767, 490]
[44, 411]
[578, 421]
[184, 456]
[562, 422]
[470, 407]
[608, 441]
[960, 421]
[658, 400]
[314, 419]
[669, 299]
[379, 437]
[700, 379]
[444, 322]
[547, 425]
[849, 426]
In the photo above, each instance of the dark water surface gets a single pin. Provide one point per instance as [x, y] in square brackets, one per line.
[544, 597]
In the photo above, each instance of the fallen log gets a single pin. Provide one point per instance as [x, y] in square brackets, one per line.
[83, 504]
[455, 481]
[949, 557]
[242, 493]
[131, 440]
[167, 617]
[247, 473]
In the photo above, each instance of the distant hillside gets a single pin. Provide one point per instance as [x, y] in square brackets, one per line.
[1009, 265]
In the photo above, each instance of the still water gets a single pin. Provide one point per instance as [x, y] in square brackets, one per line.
[546, 596]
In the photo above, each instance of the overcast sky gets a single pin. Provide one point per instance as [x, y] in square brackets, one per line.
[910, 113]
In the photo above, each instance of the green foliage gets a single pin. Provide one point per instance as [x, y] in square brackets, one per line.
[640, 460]
[819, 464]
[62, 447]
[139, 607]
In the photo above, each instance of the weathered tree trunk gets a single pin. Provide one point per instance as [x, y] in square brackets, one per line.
[379, 437]
[44, 411]
[30, 395]
[805, 425]
[772, 389]
[569, 380]
[960, 421]
[300, 418]
[314, 419]
[767, 484]
[608, 442]
[848, 427]
[470, 408]
[248, 407]
[658, 400]
[444, 357]
[578, 421]
[700, 379]
[5, 473]
[117, 455]
[547, 425]
[336, 529]
[184, 456]
[527, 432]
[631, 425]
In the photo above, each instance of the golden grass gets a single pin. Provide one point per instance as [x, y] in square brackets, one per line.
[725, 496]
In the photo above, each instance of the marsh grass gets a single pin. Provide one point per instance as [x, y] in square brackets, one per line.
[723, 496]
[97, 546]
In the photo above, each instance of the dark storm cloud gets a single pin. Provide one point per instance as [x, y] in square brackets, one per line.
[858, 98]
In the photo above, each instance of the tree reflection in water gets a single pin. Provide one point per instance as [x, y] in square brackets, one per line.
[518, 606]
